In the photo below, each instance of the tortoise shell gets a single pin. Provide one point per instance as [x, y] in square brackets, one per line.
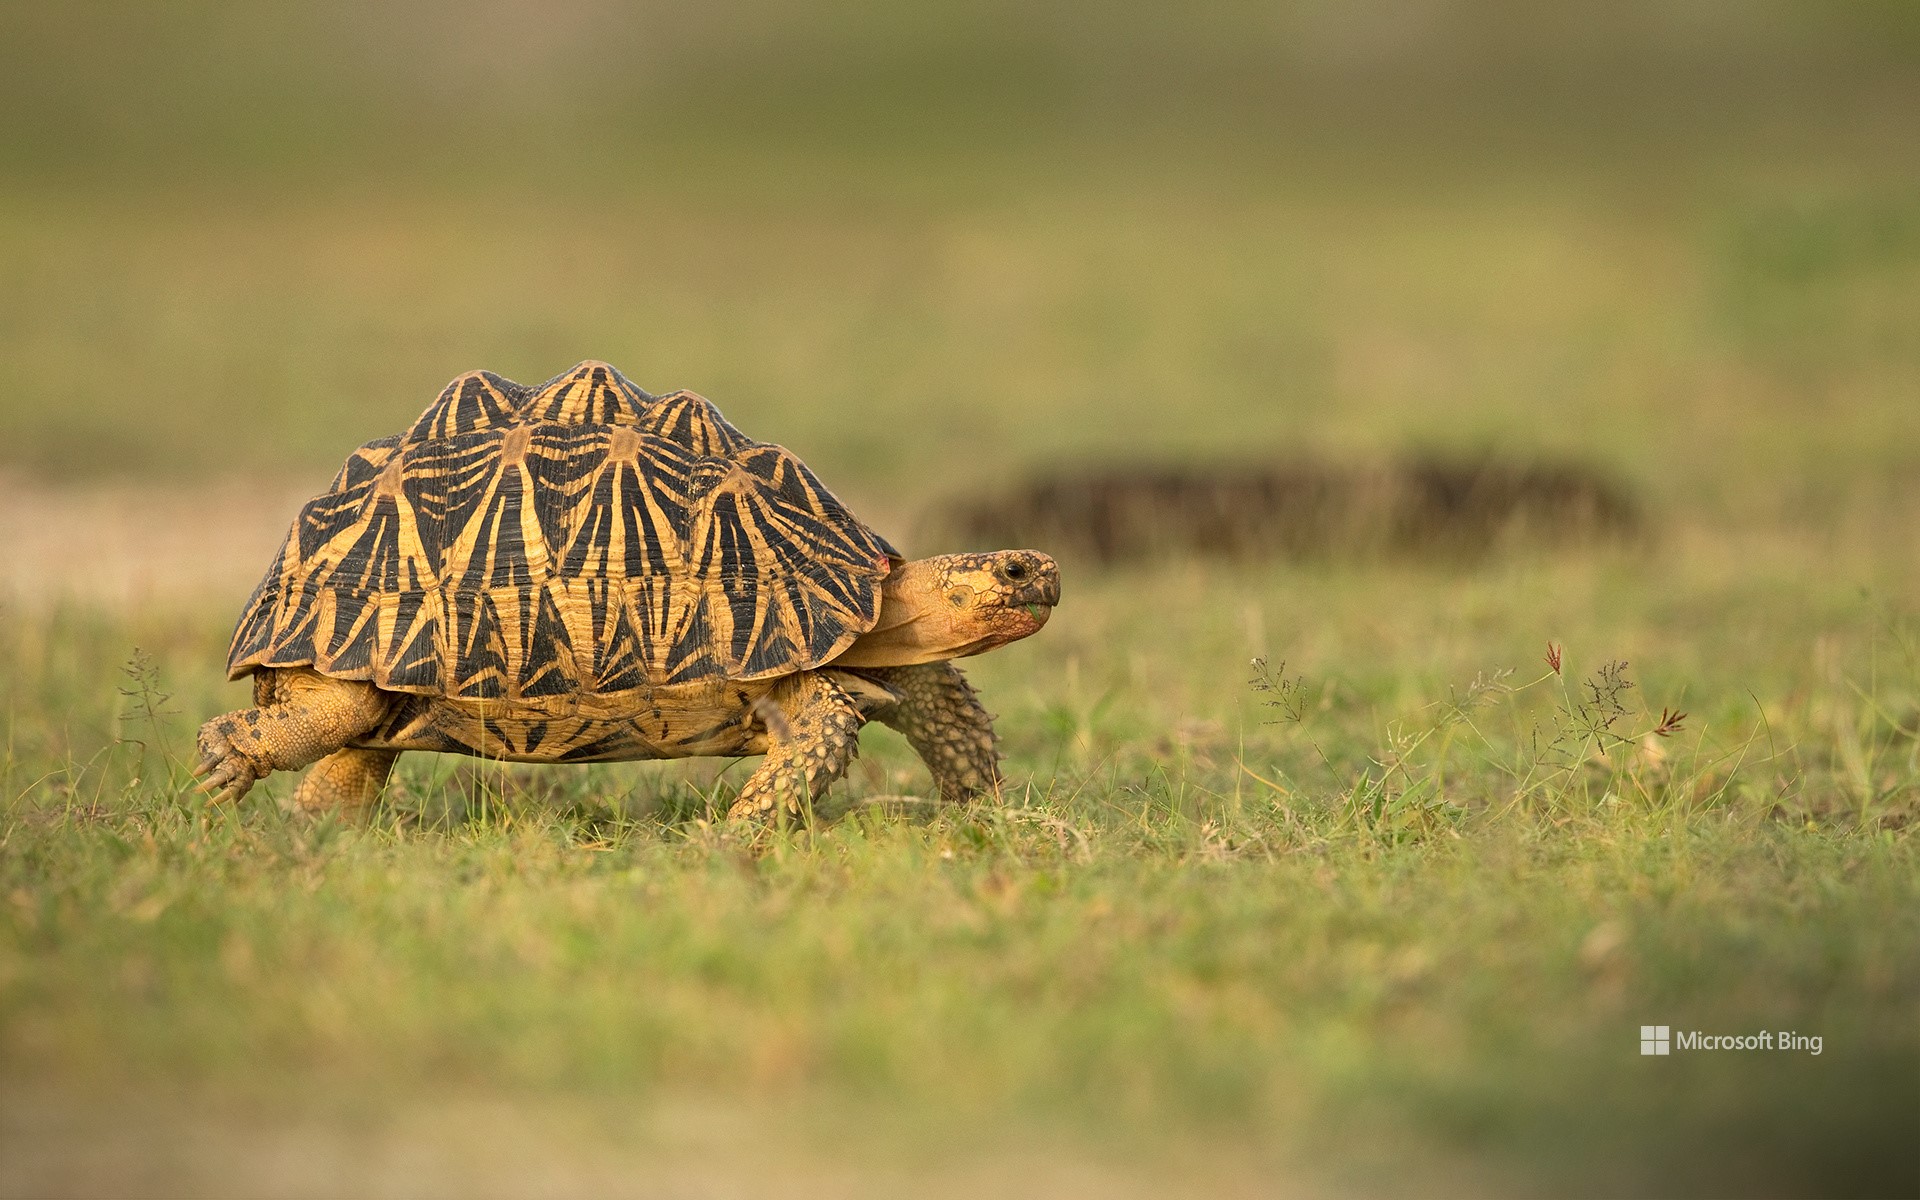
[578, 537]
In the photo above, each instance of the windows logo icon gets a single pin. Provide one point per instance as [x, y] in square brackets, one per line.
[1654, 1039]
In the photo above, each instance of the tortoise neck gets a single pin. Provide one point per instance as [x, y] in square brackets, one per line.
[948, 606]
[916, 623]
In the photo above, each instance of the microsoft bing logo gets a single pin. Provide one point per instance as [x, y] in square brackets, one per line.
[1662, 1039]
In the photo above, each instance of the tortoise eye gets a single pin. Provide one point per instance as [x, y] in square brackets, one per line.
[1016, 570]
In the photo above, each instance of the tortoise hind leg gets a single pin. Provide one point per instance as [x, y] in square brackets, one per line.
[944, 722]
[813, 733]
[347, 781]
[302, 715]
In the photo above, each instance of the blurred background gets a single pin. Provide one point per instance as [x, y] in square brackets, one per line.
[938, 249]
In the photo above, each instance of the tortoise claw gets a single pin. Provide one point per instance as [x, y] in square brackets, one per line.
[225, 774]
[230, 781]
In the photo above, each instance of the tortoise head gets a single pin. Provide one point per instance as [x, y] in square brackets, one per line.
[954, 605]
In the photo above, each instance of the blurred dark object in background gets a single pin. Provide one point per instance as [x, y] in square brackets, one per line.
[1459, 510]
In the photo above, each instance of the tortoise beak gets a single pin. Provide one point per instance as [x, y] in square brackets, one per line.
[1035, 586]
[1032, 578]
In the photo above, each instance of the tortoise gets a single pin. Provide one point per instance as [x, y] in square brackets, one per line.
[584, 572]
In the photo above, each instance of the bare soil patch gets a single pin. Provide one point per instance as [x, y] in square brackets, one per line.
[124, 544]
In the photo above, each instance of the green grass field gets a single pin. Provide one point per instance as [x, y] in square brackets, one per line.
[1383, 913]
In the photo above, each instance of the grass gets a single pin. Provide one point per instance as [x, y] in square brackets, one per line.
[1385, 929]
[1382, 914]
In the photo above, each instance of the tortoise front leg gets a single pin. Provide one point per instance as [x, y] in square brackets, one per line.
[820, 737]
[944, 722]
[302, 716]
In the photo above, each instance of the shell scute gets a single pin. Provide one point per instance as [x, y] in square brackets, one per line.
[619, 661]
[592, 393]
[476, 400]
[479, 647]
[419, 647]
[692, 421]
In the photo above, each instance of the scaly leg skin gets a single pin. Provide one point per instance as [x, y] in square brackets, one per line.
[346, 781]
[302, 716]
[821, 737]
[943, 721]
